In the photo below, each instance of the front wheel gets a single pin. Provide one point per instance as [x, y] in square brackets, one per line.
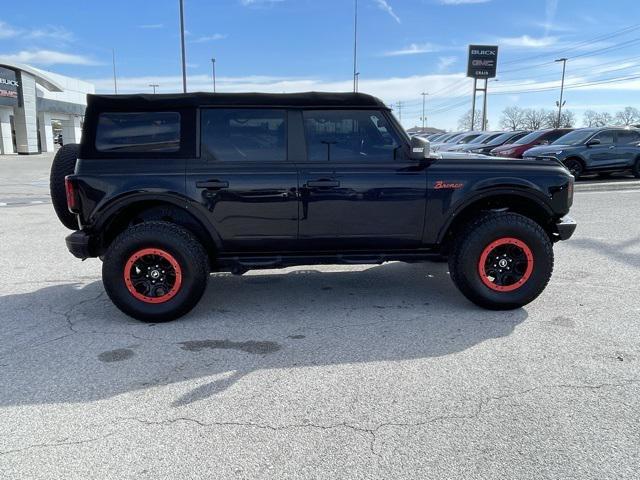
[502, 261]
[155, 271]
[575, 167]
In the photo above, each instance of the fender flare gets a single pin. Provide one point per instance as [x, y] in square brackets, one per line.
[106, 213]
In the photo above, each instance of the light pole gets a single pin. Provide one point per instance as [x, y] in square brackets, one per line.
[424, 119]
[355, 47]
[115, 82]
[184, 59]
[213, 73]
[154, 86]
[560, 103]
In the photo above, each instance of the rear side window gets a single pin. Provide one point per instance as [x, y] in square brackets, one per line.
[138, 132]
[625, 137]
[244, 135]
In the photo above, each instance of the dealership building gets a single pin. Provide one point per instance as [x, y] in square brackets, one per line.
[32, 102]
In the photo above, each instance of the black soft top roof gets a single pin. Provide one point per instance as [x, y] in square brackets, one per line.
[196, 99]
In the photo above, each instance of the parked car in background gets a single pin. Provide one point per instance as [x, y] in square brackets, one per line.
[534, 139]
[460, 139]
[476, 142]
[496, 141]
[594, 150]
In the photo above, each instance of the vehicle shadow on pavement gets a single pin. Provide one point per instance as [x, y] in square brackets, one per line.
[68, 343]
[615, 252]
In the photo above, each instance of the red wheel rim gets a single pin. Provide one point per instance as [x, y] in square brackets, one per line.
[152, 275]
[505, 264]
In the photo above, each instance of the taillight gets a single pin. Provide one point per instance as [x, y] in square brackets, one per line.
[72, 197]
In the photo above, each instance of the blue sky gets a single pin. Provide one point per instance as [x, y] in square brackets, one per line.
[405, 47]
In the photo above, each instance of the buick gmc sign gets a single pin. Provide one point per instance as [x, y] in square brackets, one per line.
[8, 87]
[483, 61]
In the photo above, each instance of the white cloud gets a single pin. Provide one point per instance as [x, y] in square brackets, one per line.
[209, 38]
[384, 5]
[551, 7]
[47, 57]
[53, 32]
[152, 26]
[462, 2]
[413, 49]
[446, 62]
[525, 41]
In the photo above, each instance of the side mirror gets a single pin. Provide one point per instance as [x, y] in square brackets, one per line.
[420, 148]
[592, 142]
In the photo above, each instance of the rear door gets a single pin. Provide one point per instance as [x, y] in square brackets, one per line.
[627, 146]
[358, 188]
[243, 178]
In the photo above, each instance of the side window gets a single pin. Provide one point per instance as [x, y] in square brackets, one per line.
[138, 132]
[606, 137]
[626, 137]
[244, 135]
[349, 136]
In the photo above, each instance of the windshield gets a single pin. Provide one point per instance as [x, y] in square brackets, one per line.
[488, 138]
[576, 137]
[500, 139]
[467, 138]
[532, 137]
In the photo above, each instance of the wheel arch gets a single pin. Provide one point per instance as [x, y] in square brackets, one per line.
[519, 202]
[135, 211]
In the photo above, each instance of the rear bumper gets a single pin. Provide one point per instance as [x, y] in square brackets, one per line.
[565, 227]
[80, 244]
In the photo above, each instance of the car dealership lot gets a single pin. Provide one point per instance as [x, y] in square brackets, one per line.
[320, 372]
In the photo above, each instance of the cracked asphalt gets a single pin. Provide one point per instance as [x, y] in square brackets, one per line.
[330, 372]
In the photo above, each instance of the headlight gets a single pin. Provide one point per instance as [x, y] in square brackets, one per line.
[507, 152]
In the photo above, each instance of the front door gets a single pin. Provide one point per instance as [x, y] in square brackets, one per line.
[244, 180]
[358, 188]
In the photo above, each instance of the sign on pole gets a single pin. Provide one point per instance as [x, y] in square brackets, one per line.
[483, 61]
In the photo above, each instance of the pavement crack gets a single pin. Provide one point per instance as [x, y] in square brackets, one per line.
[56, 444]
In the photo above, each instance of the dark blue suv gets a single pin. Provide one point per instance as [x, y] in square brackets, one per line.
[594, 150]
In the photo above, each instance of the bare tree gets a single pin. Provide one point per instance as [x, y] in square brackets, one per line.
[567, 120]
[590, 118]
[535, 119]
[604, 119]
[628, 116]
[513, 118]
[464, 123]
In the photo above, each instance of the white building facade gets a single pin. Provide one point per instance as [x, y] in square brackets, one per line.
[31, 100]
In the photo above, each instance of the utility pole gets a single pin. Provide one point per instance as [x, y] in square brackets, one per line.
[184, 58]
[213, 68]
[424, 118]
[561, 103]
[115, 82]
[484, 106]
[473, 104]
[154, 86]
[355, 47]
[399, 105]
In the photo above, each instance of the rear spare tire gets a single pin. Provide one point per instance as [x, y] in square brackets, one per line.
[64, 163]
[502, 261]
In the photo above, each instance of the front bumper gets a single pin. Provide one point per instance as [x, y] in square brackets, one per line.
[80, 244]
[565, 227]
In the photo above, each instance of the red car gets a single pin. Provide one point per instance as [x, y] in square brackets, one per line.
[534, 139]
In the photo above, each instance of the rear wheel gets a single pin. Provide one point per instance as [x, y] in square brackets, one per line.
[155, 271]
[502, 261]
[64, 163]
[575, 167]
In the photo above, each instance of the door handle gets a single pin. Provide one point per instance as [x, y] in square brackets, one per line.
[213, 184]
[612, 147]
[323, 183]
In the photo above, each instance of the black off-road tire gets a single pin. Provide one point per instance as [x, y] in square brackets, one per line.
[636, 168]
[476, 238]
[64, 163]
[168, 238]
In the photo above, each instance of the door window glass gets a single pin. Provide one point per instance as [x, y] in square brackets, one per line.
[349, 136]
[244, 135]
[606, 137]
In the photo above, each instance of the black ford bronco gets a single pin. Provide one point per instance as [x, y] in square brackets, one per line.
[168, 188]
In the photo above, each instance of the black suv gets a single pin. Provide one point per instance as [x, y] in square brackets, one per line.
[168, 188]
[594, 150]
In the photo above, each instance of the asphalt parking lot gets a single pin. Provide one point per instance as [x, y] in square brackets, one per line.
[320, 372]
